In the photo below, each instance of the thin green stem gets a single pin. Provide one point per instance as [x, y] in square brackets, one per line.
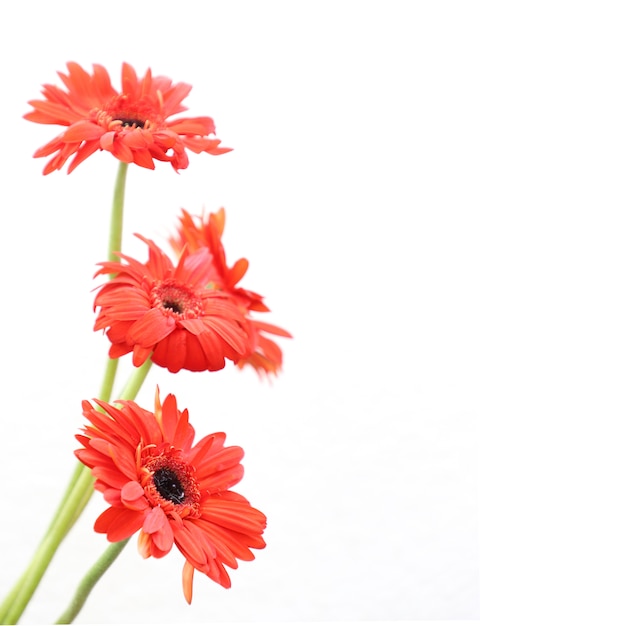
[106, 388]
[117, 212]
[10, 598]
[105, 396]
[130, 391]
[89, 581]
[60, 526]
[80, 487]
[74, 502]
[133, 385]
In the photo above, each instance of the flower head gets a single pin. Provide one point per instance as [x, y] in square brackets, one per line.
[133, 124]
[205, 232]
[159, 483]
[163, 311]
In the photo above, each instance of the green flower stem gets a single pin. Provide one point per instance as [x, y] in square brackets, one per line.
[89, 581]
[105, 396]
[106, 388]
[15, 602]
[43, 555]
[111, 553]
[117, 212]
[10, 598]
[80, 487]
[73, 503]
[133, 385]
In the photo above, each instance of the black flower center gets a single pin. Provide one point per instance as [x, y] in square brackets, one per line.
[176, 298]
[172, 305]
[131, 121]
[168, 485]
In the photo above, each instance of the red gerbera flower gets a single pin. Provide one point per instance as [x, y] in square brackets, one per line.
[132, 124]
[197, 233]
[171, 491]
[165, 312]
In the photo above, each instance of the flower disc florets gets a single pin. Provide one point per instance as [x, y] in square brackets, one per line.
[176, 299]
[169, 482]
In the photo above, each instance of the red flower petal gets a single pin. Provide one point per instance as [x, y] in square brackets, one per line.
[82, 130]
[132, 496]
[150, 328]
[119, 524]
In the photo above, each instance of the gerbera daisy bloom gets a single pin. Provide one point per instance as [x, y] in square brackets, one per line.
[132, 124]
[159, 483]
[163, 311]
[197, 233]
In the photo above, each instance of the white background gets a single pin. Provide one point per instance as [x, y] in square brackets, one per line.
[431, 197]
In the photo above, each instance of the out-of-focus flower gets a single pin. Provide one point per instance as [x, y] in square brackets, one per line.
[195, 233]
[159, 483]
[163, 311]
[133, 124]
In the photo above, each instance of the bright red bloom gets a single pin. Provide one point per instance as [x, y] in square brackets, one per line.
[171, 491]
[197, 233]
[132, 124]
[164, 312]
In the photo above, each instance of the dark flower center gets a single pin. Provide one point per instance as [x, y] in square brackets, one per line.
[168, 485]
[130, 121]
[172, 305]
[170, 482]
[177, 299]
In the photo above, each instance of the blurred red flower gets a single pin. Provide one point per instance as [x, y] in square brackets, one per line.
[195, 233]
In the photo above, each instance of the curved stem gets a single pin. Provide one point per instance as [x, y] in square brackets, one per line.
[80, 487]
[85, 587]
[89, 581]
[74, 501]
[61, 524]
